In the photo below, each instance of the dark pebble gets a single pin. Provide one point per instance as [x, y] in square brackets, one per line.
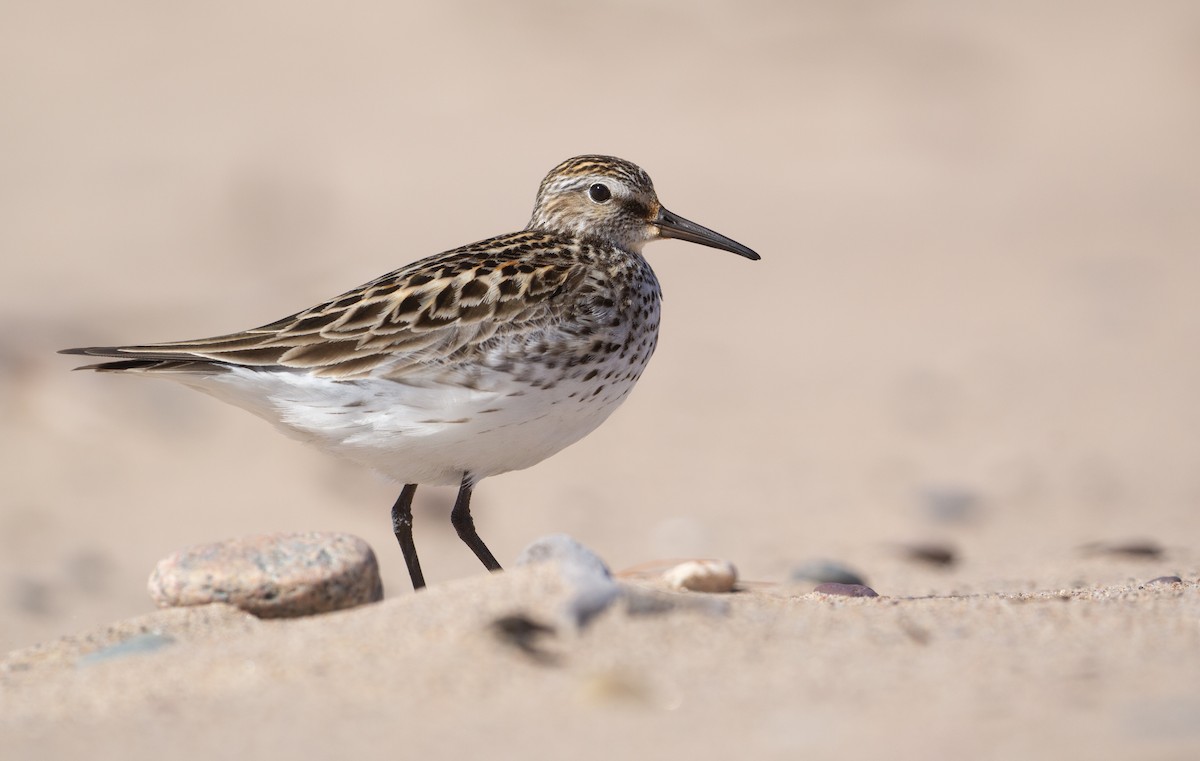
[826, 570]
[845, 590]
[1165, 580]
[933, 554]
[823, 571]
[1131, 549]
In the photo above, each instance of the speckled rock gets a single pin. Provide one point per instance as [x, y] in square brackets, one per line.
[702, 576]
[272, 575]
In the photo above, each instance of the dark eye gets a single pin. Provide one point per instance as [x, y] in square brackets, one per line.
[599, 193]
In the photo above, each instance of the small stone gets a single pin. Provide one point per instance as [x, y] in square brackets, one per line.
[592, 586]
[702, 576]
[930, 552]
[825, 570]
[576, 560]
[271, 575]
[1165, 580]
[1137, 548]
[845, 590]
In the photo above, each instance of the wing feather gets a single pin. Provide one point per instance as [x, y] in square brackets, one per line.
[438, 309]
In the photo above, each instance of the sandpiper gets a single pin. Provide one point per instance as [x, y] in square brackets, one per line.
[471, 363]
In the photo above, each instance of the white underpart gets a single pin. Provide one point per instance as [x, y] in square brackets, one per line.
[431, 433]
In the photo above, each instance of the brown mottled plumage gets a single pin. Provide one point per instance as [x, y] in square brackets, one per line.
[477, 361]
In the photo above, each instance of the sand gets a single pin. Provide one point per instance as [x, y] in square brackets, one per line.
[975, 324]
[765, 674]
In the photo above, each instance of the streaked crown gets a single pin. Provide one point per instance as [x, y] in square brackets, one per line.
[613, 201]
[598, 197]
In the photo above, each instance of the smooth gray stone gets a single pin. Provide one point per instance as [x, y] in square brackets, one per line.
[592, 586]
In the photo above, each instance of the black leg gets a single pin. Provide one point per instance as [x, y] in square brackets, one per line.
[460, 516]
[402, 526]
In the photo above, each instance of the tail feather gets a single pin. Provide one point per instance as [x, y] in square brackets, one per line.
[135, 359]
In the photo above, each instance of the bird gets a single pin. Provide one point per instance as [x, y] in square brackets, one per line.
[481, 360]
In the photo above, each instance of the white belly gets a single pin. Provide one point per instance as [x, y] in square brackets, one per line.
[431, 433]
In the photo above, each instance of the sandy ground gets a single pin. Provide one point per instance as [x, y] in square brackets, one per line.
[975, 323]
[750, 675]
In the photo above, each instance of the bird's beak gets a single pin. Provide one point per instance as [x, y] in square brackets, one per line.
[674, 226]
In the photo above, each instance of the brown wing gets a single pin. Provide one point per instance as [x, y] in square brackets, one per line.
[441, 306]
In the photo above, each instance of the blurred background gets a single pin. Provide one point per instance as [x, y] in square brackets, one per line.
[976, 321]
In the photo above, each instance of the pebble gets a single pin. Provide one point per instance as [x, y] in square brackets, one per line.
[825, 570]
[592, 586]
[1166, 580]
[845, 590]
[577, 561]
[930, 552]
[702, 576]
[1137, 548]
[280, 575]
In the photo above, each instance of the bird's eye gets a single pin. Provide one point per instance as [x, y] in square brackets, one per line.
[599, 193]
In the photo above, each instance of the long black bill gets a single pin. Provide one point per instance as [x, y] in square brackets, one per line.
[674, 226]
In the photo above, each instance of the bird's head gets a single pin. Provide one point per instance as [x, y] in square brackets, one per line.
[613, 200]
